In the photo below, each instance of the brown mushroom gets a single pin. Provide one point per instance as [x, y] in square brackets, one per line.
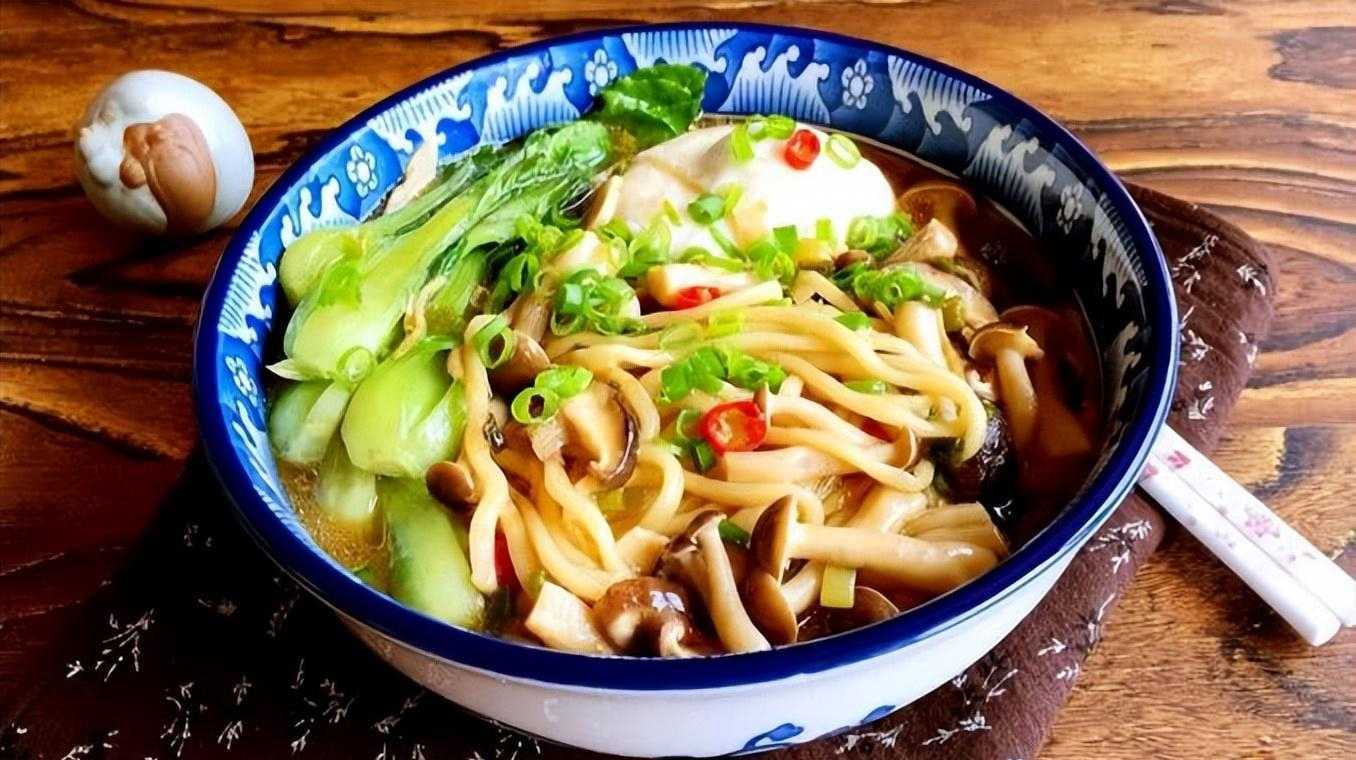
[770, 609]
[1008, 347]
[932, 243]
[528, 359]
[852, 256]
[648, 616]
[452, 484]
[868, 606]
[932, 566]
[988, 474]
[698, 557]
[603, 426]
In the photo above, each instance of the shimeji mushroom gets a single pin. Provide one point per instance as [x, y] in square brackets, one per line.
[868, 606]
[769, 608]
[563, 621]
[698, 557]
[452, 484]
[932, 243]
[528, 359]
[930, 566]
[649, 616]
[604, 427]
[976, 310]
[1008, 347]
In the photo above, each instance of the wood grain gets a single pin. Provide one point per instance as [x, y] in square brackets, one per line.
[1248, 108]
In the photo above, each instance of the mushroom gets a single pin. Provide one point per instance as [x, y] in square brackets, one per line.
[868, 606]
[921, 325]
[563, 621]
[528, 359]
[938, 200]
[697, 556]
[452, 484]
[991, 470]
[852, 256]
[648, 616]
[529, 315]
[1009, 346]
[666, 282]
[1062, 431]
[932, 243]
[770, 609]
[604, 427]
[932, 566]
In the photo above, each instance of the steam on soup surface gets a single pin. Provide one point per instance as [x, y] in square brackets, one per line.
[652, 384]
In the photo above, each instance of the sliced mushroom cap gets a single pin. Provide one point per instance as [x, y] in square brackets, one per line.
[768, 607]
[452, 484]
[1002, 336]
[563, 621]
[770, 541]
[648, 616]
[990, 472]
[868, 606]
[528, 359]
[852, 256]
[603, 426]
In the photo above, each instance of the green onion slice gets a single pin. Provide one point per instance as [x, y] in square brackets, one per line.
[871, 387]
[706, 209]
[534, 405]
[494, 343]
[741, 146]
[565, 380]
[732, 533]
[854, 320]
[843, 150]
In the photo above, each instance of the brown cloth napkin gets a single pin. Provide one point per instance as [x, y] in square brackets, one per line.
[201, 648]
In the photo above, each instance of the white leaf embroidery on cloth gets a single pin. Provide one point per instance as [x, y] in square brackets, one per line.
[1185, 270]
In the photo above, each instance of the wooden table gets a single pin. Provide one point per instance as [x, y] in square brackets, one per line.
[1248, 108]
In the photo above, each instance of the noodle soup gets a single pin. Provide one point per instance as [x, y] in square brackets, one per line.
[652, 385]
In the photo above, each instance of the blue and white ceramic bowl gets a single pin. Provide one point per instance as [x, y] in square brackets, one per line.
[1000, 145]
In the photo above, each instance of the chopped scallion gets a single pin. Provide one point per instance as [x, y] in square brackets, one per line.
[706, 209]
[843, 150]
[534, 405]
[703, 456]
[494, 343]
[871, 387]
[730, 532]
[565, 380]
[741, 146]
[854, 320]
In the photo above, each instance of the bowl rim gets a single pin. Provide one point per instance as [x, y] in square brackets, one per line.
[343, 592]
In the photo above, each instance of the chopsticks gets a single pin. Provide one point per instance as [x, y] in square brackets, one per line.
[1308, 590]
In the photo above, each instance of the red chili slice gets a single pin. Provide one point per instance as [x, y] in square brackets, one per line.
[802, 148]
[694, 296]
[503, 563]
[735, 426]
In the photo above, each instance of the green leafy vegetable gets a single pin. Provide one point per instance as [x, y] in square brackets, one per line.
[429, 567]
[304, 417]
[854, 320]
[407, 414]
[653, 104]
[360, 303]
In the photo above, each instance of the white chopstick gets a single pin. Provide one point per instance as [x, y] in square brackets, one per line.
[1293, 552]
[1300, 607]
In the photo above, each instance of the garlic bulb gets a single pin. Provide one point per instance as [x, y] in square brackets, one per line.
[163, 153]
